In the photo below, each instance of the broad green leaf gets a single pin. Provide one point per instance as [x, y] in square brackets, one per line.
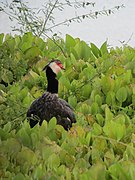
[33, 74]
[104, 49]
[121, 94]
[52, 123]
[85, 51]
[95, 50]
[34, 139]
[118, 172]
[97, 130]
[98, 99]
[4, 163]
[114, 130]
[88, 138]
[1, 38]
[86, 90]
[108, 114]
[32, 52]
[77, 50]
[47, 152]
[85, 109]
[65, 81]
[100, 119]
[120, 119]
[70, 42]
[27, 100]
[7, 76]
[61, 170]
[82, 163]
[110, 98]
[26, 155]
[127, 76]
[7, 127]
[109, 157]
[38, 172]
[106, 83]
[11, 146]
[11, 44]
[94, 108]
[72, 101]
[53, 161]
[133, 99]
[24, 137]
[19, 176]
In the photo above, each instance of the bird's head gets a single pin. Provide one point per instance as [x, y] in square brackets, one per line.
[55, 65]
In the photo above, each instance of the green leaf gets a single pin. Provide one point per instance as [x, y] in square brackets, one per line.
[65, 81]
[88, 138]
[110, 98]
[95, 50]
[97, 130]
[98, 99]
[70, 42]
[7, 76]
[52, 123]
[86, 90]
[121, 94]
[104, 49]
[7, 127]
[114, 130]
[108, 114]
[24, 137]
[11, 44]
[85, 51]
[94, 108]
[19, 176]
[27, 100]
[53, 161]
[72, 101]
[106, 83]
[11, 146]
[85, 109]
[26, 155]
[100, 119]
[38, 172]
[1, 38]
[3, 162]
[32, 52]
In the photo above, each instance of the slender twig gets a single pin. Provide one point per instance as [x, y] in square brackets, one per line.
[47, 18]
[80, 17]
[56, 45]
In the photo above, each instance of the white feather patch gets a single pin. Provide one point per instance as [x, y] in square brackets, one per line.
[55, 68]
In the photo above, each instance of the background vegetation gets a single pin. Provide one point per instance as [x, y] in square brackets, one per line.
[99, 83]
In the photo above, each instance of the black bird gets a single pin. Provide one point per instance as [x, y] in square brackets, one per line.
[49, 104]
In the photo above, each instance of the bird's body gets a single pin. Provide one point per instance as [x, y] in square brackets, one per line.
[50, 105]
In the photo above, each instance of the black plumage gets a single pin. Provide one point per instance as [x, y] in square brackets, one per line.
[49, 104]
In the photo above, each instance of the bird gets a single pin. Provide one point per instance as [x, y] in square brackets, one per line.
[49, 105]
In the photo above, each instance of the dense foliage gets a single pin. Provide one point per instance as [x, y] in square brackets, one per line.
[98, 83]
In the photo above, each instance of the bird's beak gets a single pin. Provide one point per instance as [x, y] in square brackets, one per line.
[63, 68]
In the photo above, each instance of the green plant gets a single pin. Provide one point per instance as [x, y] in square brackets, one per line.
[98, 83]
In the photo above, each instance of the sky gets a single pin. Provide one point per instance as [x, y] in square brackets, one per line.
[116, 28]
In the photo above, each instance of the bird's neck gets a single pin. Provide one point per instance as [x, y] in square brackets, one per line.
[52, 86]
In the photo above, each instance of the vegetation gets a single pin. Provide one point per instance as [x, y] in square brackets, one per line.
[41, 21]
[98, 83]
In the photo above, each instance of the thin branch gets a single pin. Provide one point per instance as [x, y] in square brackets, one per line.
[81, 17]
[56, 45]
[46, 20]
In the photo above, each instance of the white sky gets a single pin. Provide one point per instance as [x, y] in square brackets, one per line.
[114, 28]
